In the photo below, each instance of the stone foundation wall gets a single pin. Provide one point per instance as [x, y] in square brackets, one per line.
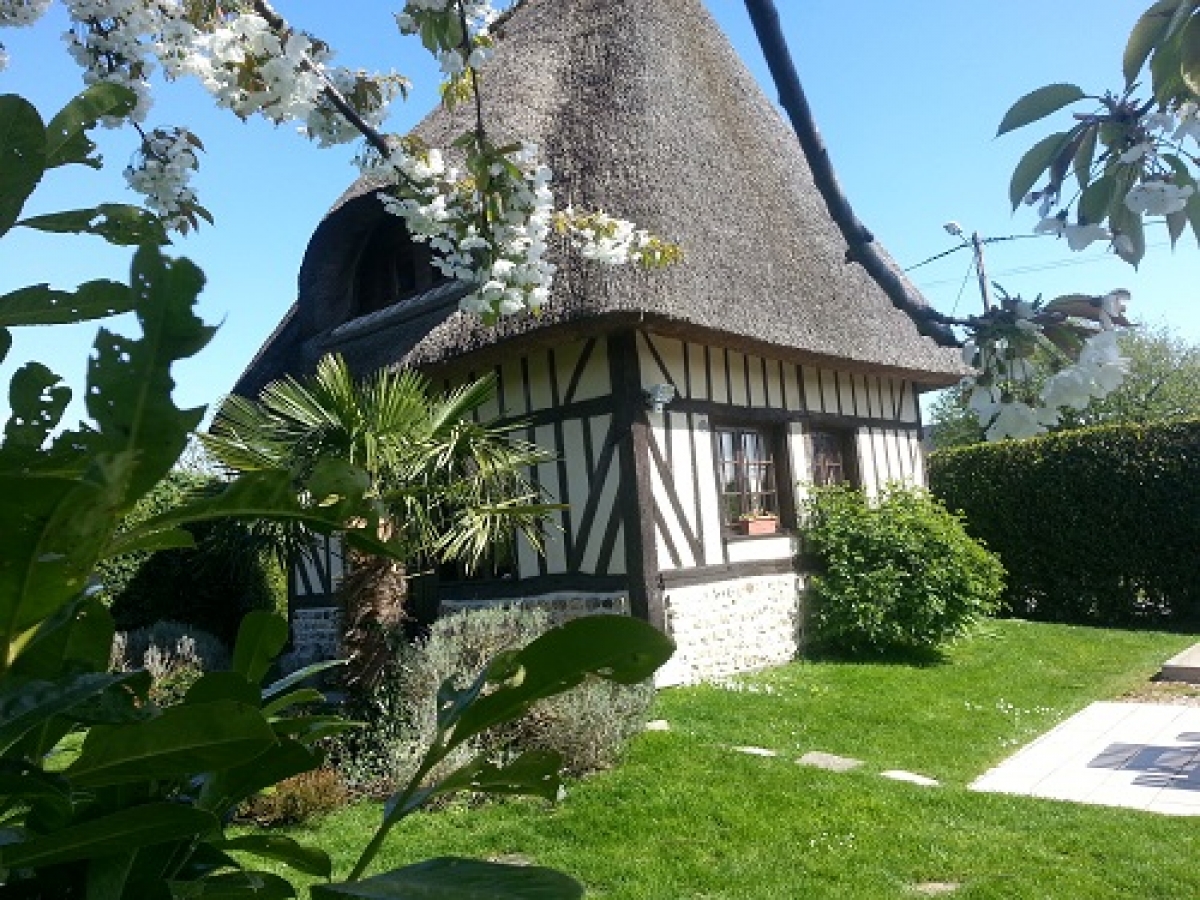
[732, 626]
[560, 606]
[316, 636]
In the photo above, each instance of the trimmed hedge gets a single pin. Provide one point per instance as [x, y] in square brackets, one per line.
[211, 586]
[1095, 526]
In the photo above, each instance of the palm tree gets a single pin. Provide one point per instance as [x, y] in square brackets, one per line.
[450, 488]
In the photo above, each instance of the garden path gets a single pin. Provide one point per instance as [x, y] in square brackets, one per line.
[1140, 755]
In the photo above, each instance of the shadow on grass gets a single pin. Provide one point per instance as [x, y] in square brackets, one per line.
[914, 657]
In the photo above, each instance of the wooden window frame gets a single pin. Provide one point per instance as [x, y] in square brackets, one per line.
[775, 439]
[847, 437]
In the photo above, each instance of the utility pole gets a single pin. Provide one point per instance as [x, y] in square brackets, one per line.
[981, 272]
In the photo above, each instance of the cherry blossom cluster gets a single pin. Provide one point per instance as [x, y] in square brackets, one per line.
[162, 171]
[488, 231]
[1005, 394]
[617, 242]
[19, 13]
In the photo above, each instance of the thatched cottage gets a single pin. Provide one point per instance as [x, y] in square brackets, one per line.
[783, 363]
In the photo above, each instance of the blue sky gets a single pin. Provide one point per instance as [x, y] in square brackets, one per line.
[907, 95]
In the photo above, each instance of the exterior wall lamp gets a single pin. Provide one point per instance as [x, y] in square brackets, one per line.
[657, 396]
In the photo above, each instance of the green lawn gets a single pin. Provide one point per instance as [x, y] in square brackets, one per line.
[687, 817]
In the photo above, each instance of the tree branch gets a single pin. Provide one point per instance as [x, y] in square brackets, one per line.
[859, 240]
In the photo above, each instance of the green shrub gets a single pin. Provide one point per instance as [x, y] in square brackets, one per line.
[1099, 526]
[589, 725]
[895, 573]
[174, 654]
[229, 572]
[296, 800]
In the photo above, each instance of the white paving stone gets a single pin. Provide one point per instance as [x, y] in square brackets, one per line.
[1136, 755]
[910, 777]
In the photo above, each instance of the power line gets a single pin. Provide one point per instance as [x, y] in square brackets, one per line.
[1043, 267]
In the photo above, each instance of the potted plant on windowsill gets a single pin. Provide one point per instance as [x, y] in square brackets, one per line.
[756, 523]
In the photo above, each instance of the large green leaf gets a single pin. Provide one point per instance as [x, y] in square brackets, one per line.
[183, 741]
[1149, 31]
[449, 878]
[1039, 104]
[37, 398]
[617, 648]
[279, 847]
[234, 886]
[128, 829]
[22, 156]
[1094, 202]
[1189, 54]
[224, 790]
[66, 135]
[129, 380]
[79, 635]
[261, 637]
[258, 495]
[1036, 161]
[117, 223]
[39, 304]
[213, 686]
[54, 529]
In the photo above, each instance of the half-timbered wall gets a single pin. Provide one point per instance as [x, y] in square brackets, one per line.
[563, 394]
[735, 603]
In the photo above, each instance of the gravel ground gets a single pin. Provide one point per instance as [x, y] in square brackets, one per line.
[1176, 692]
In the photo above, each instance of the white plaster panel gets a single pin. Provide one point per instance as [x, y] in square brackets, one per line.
[792, 389]
[709, 504]
[762, 548]
[698, 371]
[812, 390]
[514, 389]
[879, 451]
[719, 366]
[595, 380]
[539, 380]
[671, 351]
[605, 509]
[908, 403]
[845, 383]
[797, 444]
[555, 537]
[739, 393]
[578, 478]
[681, 463]
[829, 396]
[866, 460]
[616, 562]
[756, 386]
[862, 396]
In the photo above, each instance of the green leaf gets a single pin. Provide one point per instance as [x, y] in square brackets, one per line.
[616, 648]
[1094, 202]
[1124, 221]
[108, 876]
[1039, 104]
[54, 529]
[183, 741]
[37, 398]
[213, 686]
[229, 787]
[120, 832]
[66, 135]
[1189, 54]
[1149, 31]
[1036, 161]
[1166, 70]
[1177, 224]
[295, 698]
[25, 784]
[278, 688]
[235, 886]
[25, 705]
[261, 637]
[129, 380]
[117, 223]
[309, 860]
[39, 304]
[257, 495]
[535, 773]
[1085, 155]
[450, 878]
[22, 156]
[78, 635]
[1193, 214]
[176, 539]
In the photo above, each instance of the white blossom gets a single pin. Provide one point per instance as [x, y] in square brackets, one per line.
[20, 13]
[1158, 198]
[1189, 122]
[1137, 152]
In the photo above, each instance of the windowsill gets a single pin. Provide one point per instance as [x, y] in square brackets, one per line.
[731, 537]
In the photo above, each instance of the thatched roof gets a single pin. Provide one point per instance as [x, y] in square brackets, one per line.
[643, 110]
